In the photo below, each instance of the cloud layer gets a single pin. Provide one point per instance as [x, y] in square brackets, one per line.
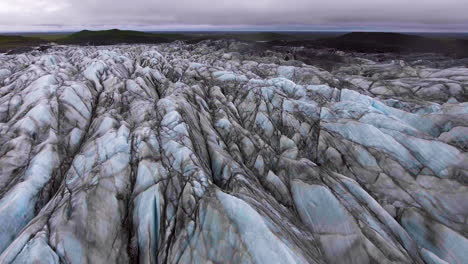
[434, 15]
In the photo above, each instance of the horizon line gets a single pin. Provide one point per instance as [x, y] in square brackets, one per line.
[243, 30]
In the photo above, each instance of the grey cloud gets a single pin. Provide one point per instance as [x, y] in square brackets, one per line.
[429, 14]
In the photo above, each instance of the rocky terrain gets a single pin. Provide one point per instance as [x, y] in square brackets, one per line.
[226, 152]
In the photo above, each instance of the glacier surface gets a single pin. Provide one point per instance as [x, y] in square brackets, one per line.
[223, 152]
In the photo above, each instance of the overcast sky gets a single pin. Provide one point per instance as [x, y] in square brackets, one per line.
[388, 15]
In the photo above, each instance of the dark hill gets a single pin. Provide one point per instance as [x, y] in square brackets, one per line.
[114, 36]
[12, 43]
[395, 42]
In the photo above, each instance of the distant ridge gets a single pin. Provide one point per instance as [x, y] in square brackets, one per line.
[116, 36]
[395, 42]
[365, 42]
[113, 36]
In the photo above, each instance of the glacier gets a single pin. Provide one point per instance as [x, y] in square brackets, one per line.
[224, 152]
